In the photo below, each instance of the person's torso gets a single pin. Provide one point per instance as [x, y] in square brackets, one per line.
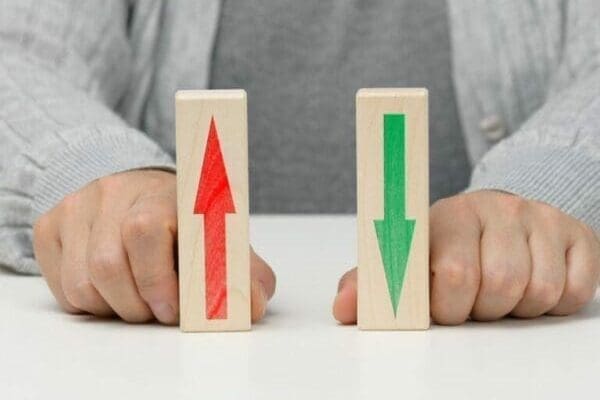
[301, 63]
[505, 62]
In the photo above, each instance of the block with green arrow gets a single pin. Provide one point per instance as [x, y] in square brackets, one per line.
[392, 208]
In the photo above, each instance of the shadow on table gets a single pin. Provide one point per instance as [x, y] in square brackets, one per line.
[6, 271]
[53, 308]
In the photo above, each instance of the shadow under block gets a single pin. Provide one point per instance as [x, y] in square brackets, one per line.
[393, 208]
[212, 209]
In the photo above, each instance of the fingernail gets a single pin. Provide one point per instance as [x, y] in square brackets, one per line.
[341, 285]
[163, 312]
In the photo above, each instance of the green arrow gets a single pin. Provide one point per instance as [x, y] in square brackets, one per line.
[394, 231]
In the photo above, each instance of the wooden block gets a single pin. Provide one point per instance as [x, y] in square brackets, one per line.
[212, 200]
[393, 208]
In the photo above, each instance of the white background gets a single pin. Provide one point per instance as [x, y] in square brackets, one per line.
[298, 351]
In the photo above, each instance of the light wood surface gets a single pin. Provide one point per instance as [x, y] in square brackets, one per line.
[375, 310]
[194, 111]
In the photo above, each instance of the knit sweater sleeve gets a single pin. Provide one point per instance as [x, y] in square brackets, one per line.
[63, 68]
[555, 156]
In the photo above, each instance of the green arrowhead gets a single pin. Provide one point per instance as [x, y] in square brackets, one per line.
[394, 231]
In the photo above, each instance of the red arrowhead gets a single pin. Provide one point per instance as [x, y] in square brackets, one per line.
[214, 192]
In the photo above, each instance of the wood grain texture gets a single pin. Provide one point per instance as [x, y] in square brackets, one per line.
[211, 124]
[375, 305]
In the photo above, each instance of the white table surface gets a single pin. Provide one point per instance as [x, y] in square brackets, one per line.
[298, 351]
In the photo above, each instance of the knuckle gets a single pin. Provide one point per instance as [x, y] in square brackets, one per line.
[548, 212]
[514, 206]
[547, 294]
[105, 265]
[455, 273]
[81, 295]
[452, 276]
[503, 282]
[138, 224]
[553, 223]
[500, 284]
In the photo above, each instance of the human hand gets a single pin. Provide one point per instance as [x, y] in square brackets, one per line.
[110, 248]
[494, 254]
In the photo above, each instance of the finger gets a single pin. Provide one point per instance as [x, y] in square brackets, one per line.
[505, 269]
[344, 304]
[262, 285]
[548, 273]
[583, 271]
[76, 282]
[149, 231]
[455, 271]
[47, 249]
[110, 271]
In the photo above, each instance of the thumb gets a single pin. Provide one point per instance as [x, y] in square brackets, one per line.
[262, 285]
[344, 305]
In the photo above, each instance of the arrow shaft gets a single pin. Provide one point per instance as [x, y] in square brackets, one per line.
[394, 167]
[215, 265]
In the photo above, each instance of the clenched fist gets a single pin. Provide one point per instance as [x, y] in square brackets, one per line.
[110, 248]
[494, 254]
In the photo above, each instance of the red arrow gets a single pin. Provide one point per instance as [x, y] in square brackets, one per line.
[214, 200]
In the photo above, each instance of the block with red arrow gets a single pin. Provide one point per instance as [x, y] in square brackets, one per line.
[212, 197]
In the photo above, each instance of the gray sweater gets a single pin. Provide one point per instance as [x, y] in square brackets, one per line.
[302, 62]
[86, 90]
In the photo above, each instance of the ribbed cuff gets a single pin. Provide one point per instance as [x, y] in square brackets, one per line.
[566, 178]
[102, 151]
